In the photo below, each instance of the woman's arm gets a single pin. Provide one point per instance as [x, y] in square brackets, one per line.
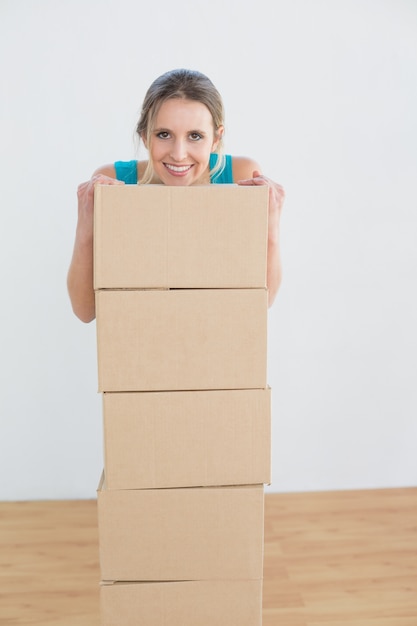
[276, 201]
[80, 273]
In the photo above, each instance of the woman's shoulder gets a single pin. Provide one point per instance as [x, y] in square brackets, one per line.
[128, 171]
[243, 167]
[106, 170]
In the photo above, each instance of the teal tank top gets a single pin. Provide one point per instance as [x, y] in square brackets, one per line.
[128, 173]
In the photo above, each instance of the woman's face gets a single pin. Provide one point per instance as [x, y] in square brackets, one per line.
[181, 142]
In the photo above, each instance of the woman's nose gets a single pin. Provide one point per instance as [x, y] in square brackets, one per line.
[178, 150]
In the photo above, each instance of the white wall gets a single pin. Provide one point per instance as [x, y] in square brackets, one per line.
[324, 95]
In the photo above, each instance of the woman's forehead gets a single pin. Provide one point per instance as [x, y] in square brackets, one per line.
[181, 111]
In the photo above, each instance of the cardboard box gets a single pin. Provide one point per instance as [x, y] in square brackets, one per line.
[181, 339]
[200, 533]
[186, 438]
[186, 603]
[153, 236]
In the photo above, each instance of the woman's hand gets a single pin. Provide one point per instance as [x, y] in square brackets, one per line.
[80, 273]
[276, 201]
[85, 194]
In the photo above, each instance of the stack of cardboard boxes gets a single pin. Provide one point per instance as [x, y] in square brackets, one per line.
[181, 305]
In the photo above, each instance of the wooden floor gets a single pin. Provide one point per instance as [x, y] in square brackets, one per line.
[331, 559]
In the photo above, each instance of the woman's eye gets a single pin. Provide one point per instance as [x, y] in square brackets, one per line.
[195, 136]
[163, 134]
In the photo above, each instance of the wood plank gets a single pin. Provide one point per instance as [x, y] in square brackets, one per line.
[350, 557]
[331, 558]
[48, 563]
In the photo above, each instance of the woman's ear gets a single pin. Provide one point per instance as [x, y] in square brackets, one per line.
[218, 135]
[144, 139]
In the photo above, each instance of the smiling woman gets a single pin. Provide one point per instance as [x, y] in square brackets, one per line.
[182, 126]
[190, 101]
[181, 143]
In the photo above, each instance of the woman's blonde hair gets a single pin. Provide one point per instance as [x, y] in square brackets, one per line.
[188, 85]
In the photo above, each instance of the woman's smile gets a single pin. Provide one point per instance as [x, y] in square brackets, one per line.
[178, 170]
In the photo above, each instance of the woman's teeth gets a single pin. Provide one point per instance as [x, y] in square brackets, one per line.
[177, 168]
